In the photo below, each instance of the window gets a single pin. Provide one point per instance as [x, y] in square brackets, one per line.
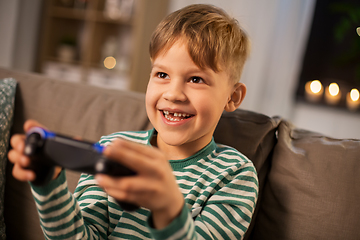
[333, 55]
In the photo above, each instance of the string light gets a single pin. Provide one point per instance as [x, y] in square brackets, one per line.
[354, 94]
[334, 89]
[315, 86]
[313, 91]
[352, 99]
[332, 94]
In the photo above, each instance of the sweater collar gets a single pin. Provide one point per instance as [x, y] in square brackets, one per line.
[181, 163]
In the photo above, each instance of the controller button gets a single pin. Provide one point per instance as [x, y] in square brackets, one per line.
[28, 150]
[100, 167]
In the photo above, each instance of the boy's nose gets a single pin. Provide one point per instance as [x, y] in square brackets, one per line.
[175, 92]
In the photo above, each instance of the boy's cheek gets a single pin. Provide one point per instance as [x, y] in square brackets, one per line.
[150, 102]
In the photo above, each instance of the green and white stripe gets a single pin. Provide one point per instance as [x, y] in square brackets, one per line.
[219, 185]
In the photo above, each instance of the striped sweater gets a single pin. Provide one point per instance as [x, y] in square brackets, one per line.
[219, 185]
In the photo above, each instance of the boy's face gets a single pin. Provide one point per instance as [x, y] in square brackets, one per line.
[184, 103]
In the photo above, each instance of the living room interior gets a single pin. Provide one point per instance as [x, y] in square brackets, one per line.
[307, 180]
[34, 31]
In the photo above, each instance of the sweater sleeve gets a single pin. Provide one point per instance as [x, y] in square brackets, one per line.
[62, 216]
[226, 214]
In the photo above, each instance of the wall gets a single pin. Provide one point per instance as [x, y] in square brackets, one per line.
[336, 123]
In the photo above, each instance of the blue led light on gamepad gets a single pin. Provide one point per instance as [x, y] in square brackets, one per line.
[45, 134]
[98, 148]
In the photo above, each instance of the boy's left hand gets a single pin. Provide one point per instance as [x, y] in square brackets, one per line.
[154, 187]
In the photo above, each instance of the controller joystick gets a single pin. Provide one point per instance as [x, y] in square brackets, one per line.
[43, 170]
[47, 150]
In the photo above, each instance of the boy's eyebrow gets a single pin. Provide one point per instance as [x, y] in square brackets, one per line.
[158, 65]
[192, 70]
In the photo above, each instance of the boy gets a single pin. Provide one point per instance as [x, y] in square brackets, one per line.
[187, 186]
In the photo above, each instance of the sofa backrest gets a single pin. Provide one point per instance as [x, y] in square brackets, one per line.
[76, 109]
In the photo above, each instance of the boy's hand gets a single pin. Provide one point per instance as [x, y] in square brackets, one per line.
[154, 187]
[17, 157]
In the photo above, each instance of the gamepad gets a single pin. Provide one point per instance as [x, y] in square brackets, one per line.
[47, 150]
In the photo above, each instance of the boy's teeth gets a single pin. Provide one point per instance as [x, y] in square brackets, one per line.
[179, 116]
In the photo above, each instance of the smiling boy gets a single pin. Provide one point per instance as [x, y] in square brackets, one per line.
[184, 102]
[187, 186]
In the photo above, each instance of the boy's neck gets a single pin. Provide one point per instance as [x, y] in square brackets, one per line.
[176, 152]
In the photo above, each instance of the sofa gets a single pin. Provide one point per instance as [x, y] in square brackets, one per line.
[308, 182]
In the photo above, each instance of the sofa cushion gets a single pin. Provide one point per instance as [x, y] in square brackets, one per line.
[312, 190]
[254, 135]
[7, 94]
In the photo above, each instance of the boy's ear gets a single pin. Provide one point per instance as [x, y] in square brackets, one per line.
[236, 97]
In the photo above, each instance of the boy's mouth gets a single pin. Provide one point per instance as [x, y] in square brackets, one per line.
[175, 116]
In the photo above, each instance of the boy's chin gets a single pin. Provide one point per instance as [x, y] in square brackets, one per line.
[172, 139]
[179, 139]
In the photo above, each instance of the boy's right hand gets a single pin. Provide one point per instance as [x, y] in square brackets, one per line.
[22, 162]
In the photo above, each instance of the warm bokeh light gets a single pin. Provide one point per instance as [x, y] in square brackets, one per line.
[354, 94]
[358, 31]
[352, 100]
[334, 89]
[315, 86]
[314, 91]
[110, 62]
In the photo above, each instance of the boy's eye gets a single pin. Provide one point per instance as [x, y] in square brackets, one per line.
[162, 75]
[196, 80]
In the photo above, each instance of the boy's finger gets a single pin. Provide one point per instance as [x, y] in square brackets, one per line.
[18, 158]
[124, 188]
[32, 123]
[132, 157]
[17, 142]
[13, 156]
[143, 149]
[126, 184]
[22, 174]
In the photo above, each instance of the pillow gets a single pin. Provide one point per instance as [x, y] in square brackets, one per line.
[312, 190]
[7, 96]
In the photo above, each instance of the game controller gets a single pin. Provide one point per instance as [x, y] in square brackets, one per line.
[47, 150]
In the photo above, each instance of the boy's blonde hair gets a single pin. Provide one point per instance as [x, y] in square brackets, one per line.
[214, 39]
